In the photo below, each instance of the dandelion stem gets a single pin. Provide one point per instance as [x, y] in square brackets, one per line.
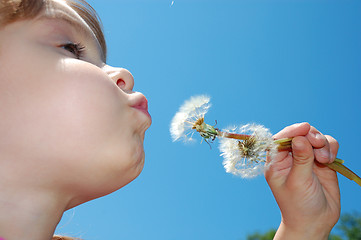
[233, 135]
[342, 169]
[284, 144]
[284, 141]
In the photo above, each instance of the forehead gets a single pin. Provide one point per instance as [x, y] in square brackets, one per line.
[60, 10]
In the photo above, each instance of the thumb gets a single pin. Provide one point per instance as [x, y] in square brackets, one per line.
[303, 159]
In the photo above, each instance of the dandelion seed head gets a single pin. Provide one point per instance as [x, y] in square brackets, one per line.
[190, 112]
[246, 158]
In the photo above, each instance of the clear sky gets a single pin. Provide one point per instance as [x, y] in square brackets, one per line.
[272, 62]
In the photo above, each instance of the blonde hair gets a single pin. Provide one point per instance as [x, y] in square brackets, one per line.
[15, 10]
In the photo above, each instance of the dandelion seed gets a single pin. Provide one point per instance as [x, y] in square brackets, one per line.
[172, 3]
[246, 158]
[191, 117]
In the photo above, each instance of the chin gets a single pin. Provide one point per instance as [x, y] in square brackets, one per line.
[138, 164]
[109, 175]
[134, 166]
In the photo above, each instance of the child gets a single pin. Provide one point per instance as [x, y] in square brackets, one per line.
[72, 129]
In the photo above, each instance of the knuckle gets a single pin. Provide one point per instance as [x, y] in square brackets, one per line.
[302, 150]
[302, 159]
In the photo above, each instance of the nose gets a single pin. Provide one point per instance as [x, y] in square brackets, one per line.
[121, 76]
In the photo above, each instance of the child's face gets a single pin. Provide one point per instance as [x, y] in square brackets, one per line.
[67, 116]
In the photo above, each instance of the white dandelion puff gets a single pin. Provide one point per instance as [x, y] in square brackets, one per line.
[191, 112]
[246, 158]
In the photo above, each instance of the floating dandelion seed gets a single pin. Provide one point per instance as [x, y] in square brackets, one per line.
[190, 116]
[246, 158]
[172, 3]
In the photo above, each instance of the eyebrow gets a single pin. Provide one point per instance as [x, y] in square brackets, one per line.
[80, 27]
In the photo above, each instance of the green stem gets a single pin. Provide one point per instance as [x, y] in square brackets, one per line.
[339, 167]
[284, 144]
[284, 141]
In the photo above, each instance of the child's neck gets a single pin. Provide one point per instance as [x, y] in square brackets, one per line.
[28, 214]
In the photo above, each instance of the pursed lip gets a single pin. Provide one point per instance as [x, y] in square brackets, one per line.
[140, 102]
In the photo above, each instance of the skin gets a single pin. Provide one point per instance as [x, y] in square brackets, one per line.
[307, 192]
[71, 128]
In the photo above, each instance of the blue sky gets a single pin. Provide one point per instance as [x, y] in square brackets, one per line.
[272, 62]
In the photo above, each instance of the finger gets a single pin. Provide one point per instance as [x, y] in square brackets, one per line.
[320, 144]
[298, 129]
[303, 159]
[276, 157]
[333, 147]
[278, 169]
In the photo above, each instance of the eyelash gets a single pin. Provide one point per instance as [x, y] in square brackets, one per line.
[77, 49]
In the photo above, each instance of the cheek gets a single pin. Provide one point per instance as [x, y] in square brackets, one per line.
[88, 97]
[73, 106]
[88, 105]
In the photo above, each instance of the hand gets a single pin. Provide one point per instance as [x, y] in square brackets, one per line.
[306, 191]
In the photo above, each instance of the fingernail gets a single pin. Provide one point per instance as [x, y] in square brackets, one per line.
[318, 135]
[325, 154]
[297, 124]
[312, 134]
[315, 133]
